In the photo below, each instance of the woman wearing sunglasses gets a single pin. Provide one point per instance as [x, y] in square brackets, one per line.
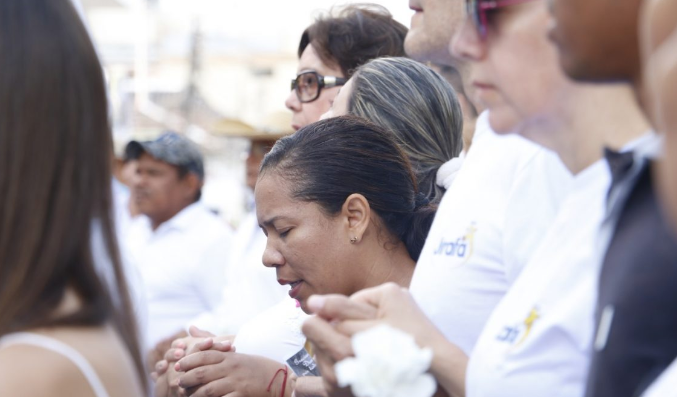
[538, 340]
[331, 49]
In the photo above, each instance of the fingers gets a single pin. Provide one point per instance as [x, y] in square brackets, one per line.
[179, 344]
[211, 344]
[197, 332]
[339, 307]
[205, 344]
[217, 388]
[152, 358]
[161, 388]
[203, 376]
[351, 327]
[173, 355]
[160, 368]
[326, 339]
[225, 346]
[199, 359]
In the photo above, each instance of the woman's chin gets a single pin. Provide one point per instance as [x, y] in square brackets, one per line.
[503, 122]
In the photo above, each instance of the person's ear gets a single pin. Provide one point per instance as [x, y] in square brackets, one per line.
[357, 214]
[193, 183]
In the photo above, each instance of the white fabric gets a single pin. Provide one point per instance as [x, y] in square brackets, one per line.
[538, 340]
[487, 226]
[250, 287]
[275, 333]
[56, 346]
[665, 385]
[447, 173]
[182, 265]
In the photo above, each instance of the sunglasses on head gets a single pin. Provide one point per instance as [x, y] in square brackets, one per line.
[478, 10]
[308, 85]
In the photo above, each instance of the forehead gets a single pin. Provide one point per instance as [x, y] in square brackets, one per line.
[311, 61]
[273, 197]
[146, 160]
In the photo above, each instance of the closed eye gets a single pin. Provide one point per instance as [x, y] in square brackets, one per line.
[284, 233]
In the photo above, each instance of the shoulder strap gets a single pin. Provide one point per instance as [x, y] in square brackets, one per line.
[47, 343]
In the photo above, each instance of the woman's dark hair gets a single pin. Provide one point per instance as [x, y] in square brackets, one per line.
[55, 175]
[419, 107]
[357, 34]
[328, 161]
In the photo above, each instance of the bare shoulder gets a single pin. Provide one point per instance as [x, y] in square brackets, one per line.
[33, 371]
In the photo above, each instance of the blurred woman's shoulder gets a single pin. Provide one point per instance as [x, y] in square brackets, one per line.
[72, 361]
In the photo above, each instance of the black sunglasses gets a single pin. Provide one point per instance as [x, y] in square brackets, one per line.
[309, 84]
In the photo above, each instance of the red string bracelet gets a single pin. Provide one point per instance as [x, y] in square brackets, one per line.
[284, 381]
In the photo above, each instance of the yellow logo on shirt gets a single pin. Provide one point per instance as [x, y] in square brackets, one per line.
[462, 247]
[510, 334]
[528, 323]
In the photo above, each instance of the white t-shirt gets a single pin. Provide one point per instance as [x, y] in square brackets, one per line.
[538, 340]
[489, 222]
[665, 385]
[182, 265]
[250, 287]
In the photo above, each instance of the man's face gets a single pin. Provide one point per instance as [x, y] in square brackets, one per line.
[158, 191]
[597, 40]
[432, 27]
[257, 150]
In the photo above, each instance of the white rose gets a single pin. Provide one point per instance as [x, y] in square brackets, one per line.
[387, 363]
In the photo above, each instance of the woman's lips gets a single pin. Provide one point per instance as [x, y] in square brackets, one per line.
[295, 288]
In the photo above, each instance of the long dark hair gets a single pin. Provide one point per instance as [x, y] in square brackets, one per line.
[55, 174]
[328, 161]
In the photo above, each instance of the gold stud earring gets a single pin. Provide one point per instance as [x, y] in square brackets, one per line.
[353, 240]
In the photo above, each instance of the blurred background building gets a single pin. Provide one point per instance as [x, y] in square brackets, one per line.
[211, 69]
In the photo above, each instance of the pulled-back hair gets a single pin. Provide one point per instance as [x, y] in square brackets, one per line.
[328, 161]
[355, 35]
[419, 107]
[55, 175]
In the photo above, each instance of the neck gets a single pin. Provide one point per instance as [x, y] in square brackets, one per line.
[589, 119]
[392, 264]
[156, 219]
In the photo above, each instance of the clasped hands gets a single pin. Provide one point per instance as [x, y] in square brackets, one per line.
[203, 365]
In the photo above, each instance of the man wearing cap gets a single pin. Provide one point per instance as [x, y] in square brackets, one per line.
[179, 246]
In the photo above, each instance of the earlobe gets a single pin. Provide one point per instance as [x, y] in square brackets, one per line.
[193, 182]
[357, 213]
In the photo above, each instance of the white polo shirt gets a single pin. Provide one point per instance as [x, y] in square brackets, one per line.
[538, 340]
[182, 264]
[489, 223]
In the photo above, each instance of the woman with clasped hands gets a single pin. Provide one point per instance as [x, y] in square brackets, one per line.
[340, 206]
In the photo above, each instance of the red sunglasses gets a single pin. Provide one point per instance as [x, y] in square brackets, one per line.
[478, 10]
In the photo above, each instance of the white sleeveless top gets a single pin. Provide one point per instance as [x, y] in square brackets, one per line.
[47, 343]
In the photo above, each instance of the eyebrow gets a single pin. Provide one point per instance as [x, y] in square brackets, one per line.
[270, 221]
